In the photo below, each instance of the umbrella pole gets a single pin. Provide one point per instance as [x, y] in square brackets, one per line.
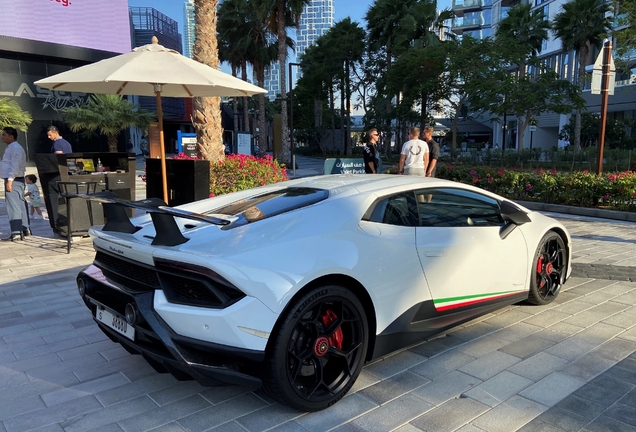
[164, 178]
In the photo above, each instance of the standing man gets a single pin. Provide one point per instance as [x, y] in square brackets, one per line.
[433, 147]
[12, 169]
[370, 152]
[414, 157]
[60, 145]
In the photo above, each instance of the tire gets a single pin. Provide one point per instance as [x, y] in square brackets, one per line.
[548, 269]
[318, 350]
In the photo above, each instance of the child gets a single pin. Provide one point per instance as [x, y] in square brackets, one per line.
[33, 194]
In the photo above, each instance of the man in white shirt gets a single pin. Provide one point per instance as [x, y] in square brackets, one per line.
[12, 170]
[414, 155]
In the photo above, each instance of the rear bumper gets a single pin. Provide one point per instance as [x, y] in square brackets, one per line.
[185, 358]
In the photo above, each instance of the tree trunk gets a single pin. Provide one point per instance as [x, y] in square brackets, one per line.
[387, 150]
[583, 52]
[333, 116]
[347, 117]
[112, 143]
[246, 111]
[282, 57]
[342, 116]
[262, 127]
[423, 114]
[207, 111]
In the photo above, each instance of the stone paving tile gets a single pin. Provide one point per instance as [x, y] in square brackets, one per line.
[393, 414]
[159, 416]
[19, 407]
[84, 389]
[484, 345]
[552, 389]
[353, 407]
[518, 331]
[442, 364]
[108, 415]
[509, 416]
[221, 413]
[605, 423]
[490, 365]
[394, 364]
[527, 347]
[437, 345]
[447, 387]
[393, 387]
[547, 318]
[498, 388]
[450, 415]
[557, 419]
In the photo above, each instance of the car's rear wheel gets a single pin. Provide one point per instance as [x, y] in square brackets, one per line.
[548, 271]
[319, 349]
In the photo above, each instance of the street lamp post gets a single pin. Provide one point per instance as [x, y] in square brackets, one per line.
[291, 116]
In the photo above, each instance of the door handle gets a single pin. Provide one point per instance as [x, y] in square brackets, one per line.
[434, 254]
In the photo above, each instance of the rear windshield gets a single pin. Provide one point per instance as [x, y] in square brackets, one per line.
[271, 204]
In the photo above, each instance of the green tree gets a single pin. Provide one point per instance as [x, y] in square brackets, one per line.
[108, 115]
[625, 32]
[580, 25]
[12, 115]
[284, 14]
[520, 36]
[206, 117]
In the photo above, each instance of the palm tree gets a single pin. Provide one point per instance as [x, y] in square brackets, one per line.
[206, 118]
[520, 36]
[283, 14]
[580, 25]
[523, 31]
[12, 115]
[108, 114]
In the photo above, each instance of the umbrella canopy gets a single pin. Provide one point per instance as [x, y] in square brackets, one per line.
[137, 72]
[151, 70]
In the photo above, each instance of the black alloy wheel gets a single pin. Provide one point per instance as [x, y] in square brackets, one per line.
[319, 349]
[548, 272]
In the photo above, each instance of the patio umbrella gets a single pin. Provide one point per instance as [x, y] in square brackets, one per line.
[151, 70]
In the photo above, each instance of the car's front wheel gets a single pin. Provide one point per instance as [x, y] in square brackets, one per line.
[319, 349]
[549, 268]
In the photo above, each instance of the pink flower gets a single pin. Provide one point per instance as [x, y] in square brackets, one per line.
[475, 179]
[612, 177]
[528, 187]
[553, 171]
[607, 197]
[472, 172]
[586, 172]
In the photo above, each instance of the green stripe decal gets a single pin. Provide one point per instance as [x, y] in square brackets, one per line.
[471, 297]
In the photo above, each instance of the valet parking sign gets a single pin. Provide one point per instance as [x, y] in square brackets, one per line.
[344, 166]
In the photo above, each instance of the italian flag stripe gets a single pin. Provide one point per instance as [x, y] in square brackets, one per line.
[459, 302]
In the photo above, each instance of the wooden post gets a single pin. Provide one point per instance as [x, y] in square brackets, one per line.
[607, 54]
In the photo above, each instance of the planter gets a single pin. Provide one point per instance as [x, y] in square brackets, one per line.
[188, 180]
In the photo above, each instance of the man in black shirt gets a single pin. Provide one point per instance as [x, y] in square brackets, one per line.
[370, 152]
[433, 147]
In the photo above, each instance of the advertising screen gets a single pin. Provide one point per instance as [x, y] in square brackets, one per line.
[96, 24]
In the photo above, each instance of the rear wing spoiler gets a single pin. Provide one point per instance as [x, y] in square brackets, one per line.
[163, 217]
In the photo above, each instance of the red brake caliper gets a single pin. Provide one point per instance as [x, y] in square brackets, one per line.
[335, 339]
[540, 269]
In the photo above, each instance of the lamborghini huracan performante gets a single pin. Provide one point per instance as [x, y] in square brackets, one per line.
[295, 286]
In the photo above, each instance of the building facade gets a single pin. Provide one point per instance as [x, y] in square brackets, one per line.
[479, 18]
[146, 23]
[30, 52]
[188, 28]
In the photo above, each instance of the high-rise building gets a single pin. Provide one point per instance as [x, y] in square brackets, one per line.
[148, 22]
[316, 20]
[188, 28]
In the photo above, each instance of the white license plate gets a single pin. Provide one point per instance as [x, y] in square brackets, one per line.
[116, 322]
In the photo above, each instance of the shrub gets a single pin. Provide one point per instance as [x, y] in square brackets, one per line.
[239, 172]
[580, 188]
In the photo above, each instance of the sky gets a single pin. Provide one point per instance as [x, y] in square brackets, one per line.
[356, 9]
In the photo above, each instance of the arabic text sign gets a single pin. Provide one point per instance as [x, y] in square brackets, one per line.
[344, 166]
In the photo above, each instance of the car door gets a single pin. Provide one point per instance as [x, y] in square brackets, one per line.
[463, 256]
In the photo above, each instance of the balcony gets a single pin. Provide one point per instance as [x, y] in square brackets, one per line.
[461, 6]
[471, 21]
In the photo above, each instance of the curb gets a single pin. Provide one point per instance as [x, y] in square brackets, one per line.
[580, 211]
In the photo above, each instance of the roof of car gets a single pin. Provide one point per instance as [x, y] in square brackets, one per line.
[366, 183]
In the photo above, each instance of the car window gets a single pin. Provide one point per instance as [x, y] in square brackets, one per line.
[271, 204]
[447, 207]
[395, 210]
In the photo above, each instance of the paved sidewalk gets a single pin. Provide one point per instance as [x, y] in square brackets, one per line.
[569, 366]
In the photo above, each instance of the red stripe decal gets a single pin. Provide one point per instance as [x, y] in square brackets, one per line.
[472, 302]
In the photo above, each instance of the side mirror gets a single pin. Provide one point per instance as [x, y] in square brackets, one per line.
[513, 214]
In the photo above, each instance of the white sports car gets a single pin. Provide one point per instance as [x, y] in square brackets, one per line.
[295, 285]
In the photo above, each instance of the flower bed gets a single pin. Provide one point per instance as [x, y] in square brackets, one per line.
[239, 172]
[615, 191]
